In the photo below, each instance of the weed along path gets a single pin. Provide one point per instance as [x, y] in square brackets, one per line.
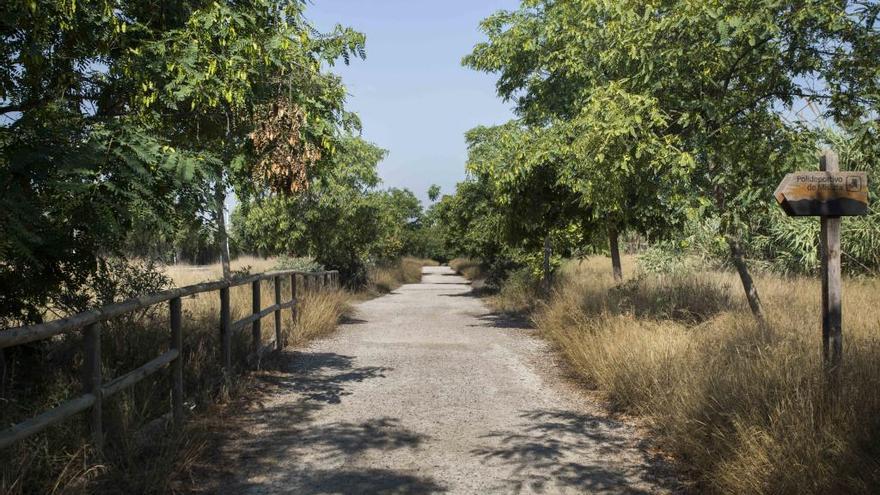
[425, 391]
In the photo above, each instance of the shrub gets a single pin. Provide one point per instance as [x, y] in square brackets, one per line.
[519, 293]
[300, 263]
[468, 268]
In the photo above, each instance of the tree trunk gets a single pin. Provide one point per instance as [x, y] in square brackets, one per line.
[548, 252]
[222, 237]
[615, 253]
[748, 284]
[2, 374]
[736, 254]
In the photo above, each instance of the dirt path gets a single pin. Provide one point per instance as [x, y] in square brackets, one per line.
[427, 392]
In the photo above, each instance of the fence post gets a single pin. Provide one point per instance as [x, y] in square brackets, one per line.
[2, 374]
[177, 365]
[225, 332]
[278, 344]
[257, 325]
[92, 382]
[295, 302]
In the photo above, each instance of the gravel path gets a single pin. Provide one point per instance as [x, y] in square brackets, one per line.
[425, 391]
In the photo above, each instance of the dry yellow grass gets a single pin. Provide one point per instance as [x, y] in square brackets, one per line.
[742, 408]
[468, 268]
[385, 278]
[57, 462]
[318, 316]
[184, 275]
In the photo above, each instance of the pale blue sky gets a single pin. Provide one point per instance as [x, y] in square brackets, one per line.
[412, 94]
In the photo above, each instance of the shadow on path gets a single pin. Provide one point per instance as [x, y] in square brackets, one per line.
[500, 320]
[259, 449]
[368, 481]
[545, 453]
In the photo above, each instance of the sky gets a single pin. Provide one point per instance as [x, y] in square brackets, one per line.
[412, 94]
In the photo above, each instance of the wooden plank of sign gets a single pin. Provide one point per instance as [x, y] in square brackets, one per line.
[827, 193]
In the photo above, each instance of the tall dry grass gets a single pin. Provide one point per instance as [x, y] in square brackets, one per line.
[184, 274]
[743, 408]
[468, 268]
[141, 454]
[385, 278]
[318, 316]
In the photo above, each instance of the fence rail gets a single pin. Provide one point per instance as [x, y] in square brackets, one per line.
[95, 389]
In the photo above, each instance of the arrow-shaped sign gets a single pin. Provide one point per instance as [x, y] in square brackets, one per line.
[830, 194]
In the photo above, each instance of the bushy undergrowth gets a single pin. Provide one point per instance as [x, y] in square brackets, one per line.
[743, 408]
[301, 263]
[468, 268]
[141, 454]
[519, 294]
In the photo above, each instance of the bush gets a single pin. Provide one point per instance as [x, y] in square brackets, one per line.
[519, 293]
[468, 268]
[300, 263]
[665, 259]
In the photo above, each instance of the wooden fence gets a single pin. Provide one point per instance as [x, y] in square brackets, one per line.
[96, 389]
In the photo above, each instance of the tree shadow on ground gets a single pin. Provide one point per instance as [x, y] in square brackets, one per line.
[277, 444]
[557, 450]
[369, 481]
[475, 292]
[502, 320]
[349, 320]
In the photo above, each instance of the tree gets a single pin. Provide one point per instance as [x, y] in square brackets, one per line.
[524, 184]
[245, 80]
[124, 120]
[711, 77]
[77, 169]
[471, 221]
[357, 223]
[433, 192]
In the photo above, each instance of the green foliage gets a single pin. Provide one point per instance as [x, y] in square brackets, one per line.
[357, 224]
[470, 222]
[643, 113]
[665, 258]
[124, 125]
[301, 263]
[434, 192]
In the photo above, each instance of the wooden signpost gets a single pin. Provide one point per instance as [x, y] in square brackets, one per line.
[829, 194]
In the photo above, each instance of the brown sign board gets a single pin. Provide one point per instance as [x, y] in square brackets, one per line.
[829, 194]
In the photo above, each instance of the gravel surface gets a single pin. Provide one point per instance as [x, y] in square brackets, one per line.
[425, 391]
